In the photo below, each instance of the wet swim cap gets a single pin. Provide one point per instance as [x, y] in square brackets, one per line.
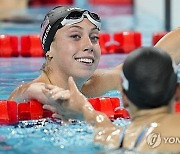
[61, 16]
[149, 77]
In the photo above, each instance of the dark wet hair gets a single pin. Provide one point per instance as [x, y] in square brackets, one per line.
[149, 77]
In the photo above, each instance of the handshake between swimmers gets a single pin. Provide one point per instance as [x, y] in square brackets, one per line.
[149, 82]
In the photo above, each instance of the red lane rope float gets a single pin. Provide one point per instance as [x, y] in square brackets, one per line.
[12, 112]
[8, 112]
[31, 46]
[157, 36]
[177, 107]
[9, 46]
[110, 106]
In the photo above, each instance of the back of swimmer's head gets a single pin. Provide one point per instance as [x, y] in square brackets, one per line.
[61, 16]
[149, 78]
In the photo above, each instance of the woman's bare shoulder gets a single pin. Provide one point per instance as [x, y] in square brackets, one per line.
[170, 44]
[20, 90]
[102, 81]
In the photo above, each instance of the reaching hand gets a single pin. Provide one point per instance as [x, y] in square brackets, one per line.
[35, 91]
[77, 100]
[66, 103]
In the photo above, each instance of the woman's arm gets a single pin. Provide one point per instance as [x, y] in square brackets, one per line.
[106, 132]
[18, 94]
[171, 44]
[74, 101]
[29, 91]
[103, 80]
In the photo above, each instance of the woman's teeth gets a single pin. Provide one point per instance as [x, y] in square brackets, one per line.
[84, 60]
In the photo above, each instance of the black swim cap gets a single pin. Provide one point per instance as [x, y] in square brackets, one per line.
[149, 77]
[61, 16]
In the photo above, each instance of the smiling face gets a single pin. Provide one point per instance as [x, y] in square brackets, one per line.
[75, 50]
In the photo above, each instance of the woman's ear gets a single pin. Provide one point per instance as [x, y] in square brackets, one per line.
[177, 95]
[49, 55]
[125, 99]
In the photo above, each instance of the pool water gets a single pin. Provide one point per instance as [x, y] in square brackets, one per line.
[44, 135]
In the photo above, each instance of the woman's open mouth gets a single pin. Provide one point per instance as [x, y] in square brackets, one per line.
[85, 60]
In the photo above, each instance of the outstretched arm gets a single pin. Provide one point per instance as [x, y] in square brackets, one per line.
[171, 44]
[20, 94]
[103, 80]
[29, 91]
[106, 132]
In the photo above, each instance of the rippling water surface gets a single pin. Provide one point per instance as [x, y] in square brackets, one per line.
[45, 135]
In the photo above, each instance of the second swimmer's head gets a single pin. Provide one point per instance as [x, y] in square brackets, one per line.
[149, 77]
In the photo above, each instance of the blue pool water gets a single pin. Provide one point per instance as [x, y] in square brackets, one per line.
[46, 136]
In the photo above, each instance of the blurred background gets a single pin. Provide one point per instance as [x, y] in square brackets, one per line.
[19, 17]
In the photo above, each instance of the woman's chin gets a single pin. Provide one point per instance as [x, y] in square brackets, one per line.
[84, 75]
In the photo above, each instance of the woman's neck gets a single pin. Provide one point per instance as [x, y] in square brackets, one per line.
[62, 80]
[147, 113]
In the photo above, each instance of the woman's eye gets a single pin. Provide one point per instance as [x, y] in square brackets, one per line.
[95, 39]
[76, 37]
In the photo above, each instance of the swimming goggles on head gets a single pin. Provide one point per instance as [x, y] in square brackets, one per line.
[77, 16]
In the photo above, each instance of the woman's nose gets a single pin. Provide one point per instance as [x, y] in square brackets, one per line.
[89, 49]
[87, 45]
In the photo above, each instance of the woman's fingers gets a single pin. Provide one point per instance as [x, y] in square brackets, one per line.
[46, 92]
[61, 95]
[72, 85]
[56, 115]
[49, 86]
[56, 92]
[60, 100]
[50, 107]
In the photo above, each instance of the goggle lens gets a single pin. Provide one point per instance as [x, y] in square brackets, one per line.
[94, 16]
[74, 15]
[78, 15]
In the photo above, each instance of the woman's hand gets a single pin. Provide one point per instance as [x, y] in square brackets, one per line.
[66, 103]
[35, 91]
[29, 91]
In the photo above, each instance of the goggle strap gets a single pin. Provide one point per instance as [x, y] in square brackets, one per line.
[73, 21]
[92, 20]
[125, 82]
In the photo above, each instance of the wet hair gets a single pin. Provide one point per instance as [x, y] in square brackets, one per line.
[149, 77]
[45, 67]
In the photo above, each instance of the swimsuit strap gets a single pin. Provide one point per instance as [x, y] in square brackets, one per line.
[142, 134]
[121, 139]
